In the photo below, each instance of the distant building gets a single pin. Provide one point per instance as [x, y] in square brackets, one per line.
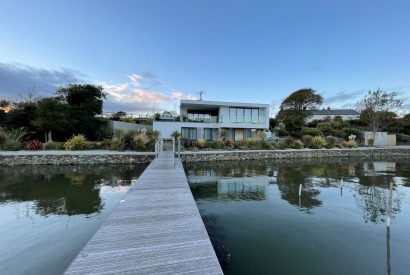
[324, 114]
[205, 120]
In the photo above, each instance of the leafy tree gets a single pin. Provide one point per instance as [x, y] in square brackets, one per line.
[52, 116]
[377, 105]
[297, 107]
[85, 101]
[21, 116]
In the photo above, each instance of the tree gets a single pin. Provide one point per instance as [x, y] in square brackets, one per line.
[85, 101]
[297, 107]
[377, 105]
[20, 116]
[52, 116]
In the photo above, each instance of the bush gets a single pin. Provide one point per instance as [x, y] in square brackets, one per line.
[281, 145]
[78, 142]
[307, 140]
[370, 142]
[343, 144]
[351, 144]
[351, 131]
[139, 141]
[311, 132]
[94, 145]
[53, 145]
[325, 128]
[330, 141]
[151, 134]
[214, 144]
[11, 140]
[104, 132]
[34, 145]
[230, 143]
[297, 144]
[318, 142]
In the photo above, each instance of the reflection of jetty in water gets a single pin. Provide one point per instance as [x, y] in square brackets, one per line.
[243, 188]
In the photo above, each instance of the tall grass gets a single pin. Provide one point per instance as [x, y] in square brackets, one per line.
[11, 140]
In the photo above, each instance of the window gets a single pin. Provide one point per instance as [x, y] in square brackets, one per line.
[210, 134]
[189, 133]
[244, 115]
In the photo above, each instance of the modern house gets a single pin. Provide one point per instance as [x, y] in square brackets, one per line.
[207, 119]
[324, 114]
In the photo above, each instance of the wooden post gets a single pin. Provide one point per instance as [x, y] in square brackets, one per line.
[389, 209]
[300, 190]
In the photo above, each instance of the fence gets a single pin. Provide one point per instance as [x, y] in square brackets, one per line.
[126, 126]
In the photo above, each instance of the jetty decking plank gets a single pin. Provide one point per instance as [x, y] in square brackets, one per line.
[156, 229]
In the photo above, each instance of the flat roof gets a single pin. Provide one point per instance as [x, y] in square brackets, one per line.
[185, 102]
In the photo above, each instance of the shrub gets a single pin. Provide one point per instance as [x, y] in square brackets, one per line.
[351, 144]
[104, 132]
[330, 141]
[325, 128]
[297, 144]
[11, 139]
[281, 145]
[318, 142]
[289, 141]
[230, 143]
[108, 144]
[351, 131]
[307, 140]
[138, 141]
[370, 142]
[214, 144]
[34, 145]
[78, 142]
[151, 134]
[176, 134]
[53, 145]
[311, 132]
[94, 145]
[343, 144]
[199, 144]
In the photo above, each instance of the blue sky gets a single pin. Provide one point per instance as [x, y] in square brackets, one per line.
[149, 54]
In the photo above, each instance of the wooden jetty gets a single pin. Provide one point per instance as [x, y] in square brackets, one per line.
[155, 229]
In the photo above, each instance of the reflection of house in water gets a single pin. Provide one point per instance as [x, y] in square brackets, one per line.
[378, 168]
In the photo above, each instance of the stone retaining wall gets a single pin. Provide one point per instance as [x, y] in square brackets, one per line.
[367, 153]
[111, 157]
[80, 158]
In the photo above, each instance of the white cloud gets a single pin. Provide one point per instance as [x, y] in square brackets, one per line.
[138, 95]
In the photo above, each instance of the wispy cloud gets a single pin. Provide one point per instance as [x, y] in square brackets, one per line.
[16, 79]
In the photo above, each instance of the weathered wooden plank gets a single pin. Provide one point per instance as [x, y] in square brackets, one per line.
[156, 229]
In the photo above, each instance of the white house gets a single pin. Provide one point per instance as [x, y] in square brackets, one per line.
[345, 114]
[206, 119]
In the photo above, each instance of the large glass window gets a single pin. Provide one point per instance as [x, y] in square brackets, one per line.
[210, 134]
[189, 133]
[244, 115]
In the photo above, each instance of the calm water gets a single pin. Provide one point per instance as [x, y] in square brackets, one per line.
[259, 225]
[48, 213]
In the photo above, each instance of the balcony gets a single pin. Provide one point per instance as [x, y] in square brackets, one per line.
[208, 119]
[243, 119]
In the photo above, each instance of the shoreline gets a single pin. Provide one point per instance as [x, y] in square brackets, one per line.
[16, 158]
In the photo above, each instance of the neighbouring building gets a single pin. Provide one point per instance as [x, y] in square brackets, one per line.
[206, 119]
[325, 114]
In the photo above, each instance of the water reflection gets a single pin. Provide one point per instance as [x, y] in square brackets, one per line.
[340, 222]
[250, 180]
[63, 190]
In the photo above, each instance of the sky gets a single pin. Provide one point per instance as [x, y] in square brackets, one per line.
[150, 54]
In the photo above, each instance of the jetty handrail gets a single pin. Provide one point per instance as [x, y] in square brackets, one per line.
[158, 146]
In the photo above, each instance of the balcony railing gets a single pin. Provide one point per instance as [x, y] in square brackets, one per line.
[212, 119]
[243, 119]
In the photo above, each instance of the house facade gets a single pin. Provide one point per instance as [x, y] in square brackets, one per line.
[207, 120]
[345, 114]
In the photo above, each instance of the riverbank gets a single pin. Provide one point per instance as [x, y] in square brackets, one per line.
[8, 158]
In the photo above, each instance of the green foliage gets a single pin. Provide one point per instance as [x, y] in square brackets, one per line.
[77, 142]
[11, 140]
[311, 132]
[318, 142]
[307, 140]
[297, 144]
[351, 131]
[176, 134]
[85, 102]
[152, 134]
[281, 145]
[52, 116]
[51, 145]
[104, 132]
[325, 127]
[297, 107]
[21, 116]
[351, 144]
[330, 141]
[370, 142]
